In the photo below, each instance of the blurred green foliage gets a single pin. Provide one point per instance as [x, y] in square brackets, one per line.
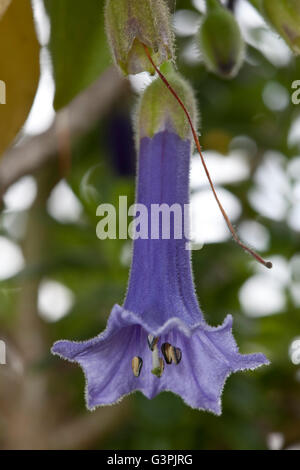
[77, 45]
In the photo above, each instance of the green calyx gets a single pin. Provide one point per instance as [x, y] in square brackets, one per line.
[284, 16]
[220, 41]
[158, 109]
[132, 23]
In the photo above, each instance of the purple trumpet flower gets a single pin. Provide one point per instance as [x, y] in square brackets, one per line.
[159, 341]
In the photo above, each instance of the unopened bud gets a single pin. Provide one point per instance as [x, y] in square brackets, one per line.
[220, 41]
[284, 16]
[132, 23]
[158, 109]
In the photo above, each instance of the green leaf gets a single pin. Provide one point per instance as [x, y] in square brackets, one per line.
[19, 67]
[172, 5]
[78, 46]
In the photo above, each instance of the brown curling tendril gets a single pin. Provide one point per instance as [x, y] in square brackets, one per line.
[255, 255]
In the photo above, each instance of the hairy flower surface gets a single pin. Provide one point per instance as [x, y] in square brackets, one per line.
[284, 16]
[159, 339]
[132, 23]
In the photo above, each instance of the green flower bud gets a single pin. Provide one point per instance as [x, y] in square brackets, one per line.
[158, 110]
[220, 41]
[132, 23]
[284, 16]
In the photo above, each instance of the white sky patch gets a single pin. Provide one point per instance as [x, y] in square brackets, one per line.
[14, 223]
[140, 81]
[295, 293]
[272, 47]
[295, 446]
[272, 172]
[296, 192]
[281, 271]
[248, 16]
[42, 112]
[293, 168]
[126, 254]
[191, 54]
[244, 144]
[275, 441]
[208, 225]
[42, 22]
[11, 258]
[261, 296]
[297, 375]
[295, 267]
[272, 194]
[21, 195]
[294, 133]
[63, 205]
[199, 5]
[294, 217]
[186, 23]
[223, 169]
[276, 193]
[54, 300]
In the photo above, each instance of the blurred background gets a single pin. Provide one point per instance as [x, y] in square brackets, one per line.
[74, 151]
